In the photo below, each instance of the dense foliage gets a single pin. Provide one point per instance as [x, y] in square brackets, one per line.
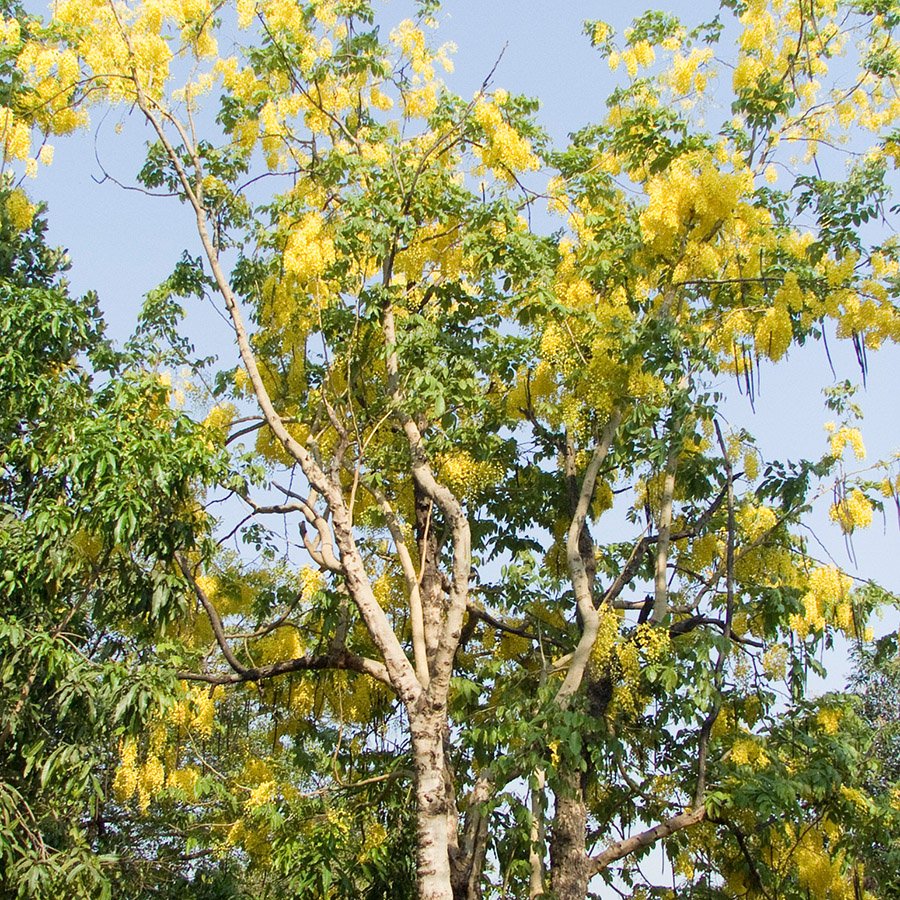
[498, 602]
[96, 493]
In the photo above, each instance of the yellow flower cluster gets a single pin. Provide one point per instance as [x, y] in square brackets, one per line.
[197, 710]
[411, 42]
[644, 385]
[843, 437]
[465, 475]
[435, 249]
[764, 328]
[340, 819]
[684, 76]
[747, 751]
[15, 136]
[283, 643]
[219, 420]
[184, 780]
[627, 696]
[113, 41]
[252, 837]
[640, 54]
[852, 511]
[766, 566]
[751, 463]
[755, 521]
[10, 32]
[311, 582]
[603, 499]
[684, 865]
[889, 488]
[142, 779]
[505, 151]
[421, 102]
[530, 386]
[513, 646]
[603, 649]
[355, 698]
[826, 600]
[19, 212]
[420, 99]
[819, 865]
[600, 32]
[263, 793]
[558, 349]
[623, 660]
[775, 660]
[829, 719]
[204, 712]
[309, 250]
[383, 589]
[773, 333]
[654, 643]
[246, 10]
[301, 698]
[692, 194]
[375, 838]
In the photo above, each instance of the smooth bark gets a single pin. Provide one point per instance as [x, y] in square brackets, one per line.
[569, 863]
[432, 822]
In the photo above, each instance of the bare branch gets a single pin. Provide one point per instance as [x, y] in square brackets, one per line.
[213, 616]
[340, 660]
[660, 581]
[577, 571]
[620, 849]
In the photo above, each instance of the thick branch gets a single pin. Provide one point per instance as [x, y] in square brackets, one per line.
[417, 622]
[538, 834]
[212, 614]
[623, 848]
[577, 570]
[445, 500]
[687, 625]
[402, 675]
[477, 613]
[341, 660]
[660, 581]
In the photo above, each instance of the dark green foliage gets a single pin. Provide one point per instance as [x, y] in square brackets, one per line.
[97, 476]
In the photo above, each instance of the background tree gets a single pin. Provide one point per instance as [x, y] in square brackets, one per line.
[518, 542]
[874, 680]
[97, 474]
[95, 493]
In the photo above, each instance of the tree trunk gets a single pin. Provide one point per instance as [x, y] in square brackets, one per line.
[432, 824]
[468, 865]
[536, 854]
[431, 586]
[569, 864]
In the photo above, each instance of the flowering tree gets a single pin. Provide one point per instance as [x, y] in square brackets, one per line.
[514, 542]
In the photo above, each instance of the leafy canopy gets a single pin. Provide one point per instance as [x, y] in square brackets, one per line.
[493, 528]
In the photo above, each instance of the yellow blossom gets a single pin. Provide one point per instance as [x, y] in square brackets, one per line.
[829, 719]
[505, 151]
[263, 793]
[19, 211]
[844, 436]
[465, 475]
[309, 250]
[854, 510]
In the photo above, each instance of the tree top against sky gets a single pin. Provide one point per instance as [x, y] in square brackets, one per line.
[489, 520]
